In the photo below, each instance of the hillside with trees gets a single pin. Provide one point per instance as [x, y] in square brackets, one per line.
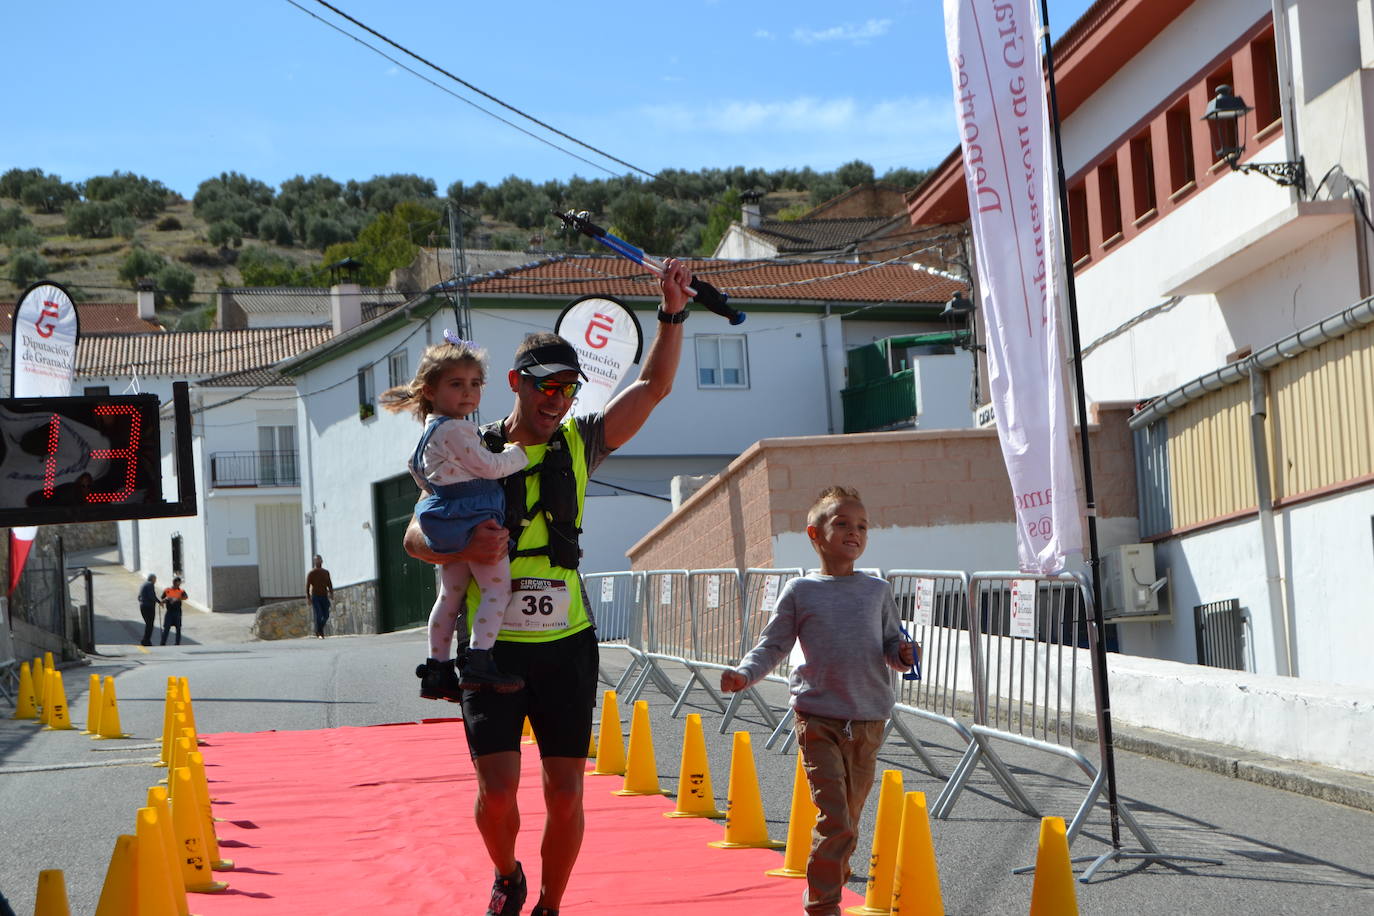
[100, 236]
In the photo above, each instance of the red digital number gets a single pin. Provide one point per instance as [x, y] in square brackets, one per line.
[129, 452]
[50, 466]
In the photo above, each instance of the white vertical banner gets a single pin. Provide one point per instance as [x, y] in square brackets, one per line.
[43, 349]
[999, 100]
[607, 339]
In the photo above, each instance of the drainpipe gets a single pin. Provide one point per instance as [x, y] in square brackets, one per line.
[1285, 662]
[825, 369]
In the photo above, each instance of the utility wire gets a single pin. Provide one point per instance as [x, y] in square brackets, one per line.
[483, 93]
[449, 91]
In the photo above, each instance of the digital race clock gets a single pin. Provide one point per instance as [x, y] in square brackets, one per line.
[92, 458]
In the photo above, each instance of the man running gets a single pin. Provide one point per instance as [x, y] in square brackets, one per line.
[548, 636]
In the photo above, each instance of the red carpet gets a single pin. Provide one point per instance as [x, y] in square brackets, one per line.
[379, 821]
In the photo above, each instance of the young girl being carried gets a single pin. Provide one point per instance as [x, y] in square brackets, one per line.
[460, 478]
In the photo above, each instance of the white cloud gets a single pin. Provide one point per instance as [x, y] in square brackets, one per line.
[764, 34]
[855, 34]
[809, 116]
[788, 133]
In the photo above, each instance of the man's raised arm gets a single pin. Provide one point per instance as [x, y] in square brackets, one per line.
[631, 407]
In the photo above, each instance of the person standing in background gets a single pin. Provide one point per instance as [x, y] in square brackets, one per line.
[171, 617]
[319, 588]
[147, 601]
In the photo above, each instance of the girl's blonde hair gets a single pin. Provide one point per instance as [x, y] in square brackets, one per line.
[436, 360]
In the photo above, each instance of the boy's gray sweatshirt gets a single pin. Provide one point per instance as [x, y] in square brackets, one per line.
[849, 630]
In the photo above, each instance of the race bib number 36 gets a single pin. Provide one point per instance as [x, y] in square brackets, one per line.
[537, 605]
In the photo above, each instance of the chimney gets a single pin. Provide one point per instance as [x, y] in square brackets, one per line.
[345, 306]
[751, 216]
[147, 298]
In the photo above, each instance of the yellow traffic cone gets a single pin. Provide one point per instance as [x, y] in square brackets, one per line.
[745, 827]
[527, 733]
[157, 800]
[641, 773]
[59, 718]
[184, 687]
[882, 861]
[52, 894]
[165, 752]
[1053, 894]
[109, 713]
[207, 816]
[916, 885]
[800, 825]
[610, 745]
[92, 706]
[44, 707]
[192, 849]
[180, 750]
[47, 661]
[152, 879]
[591, 746]
[695, 797]
[117, 894]
[26, 704]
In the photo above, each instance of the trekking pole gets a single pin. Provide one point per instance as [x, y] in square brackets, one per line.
[700, 290]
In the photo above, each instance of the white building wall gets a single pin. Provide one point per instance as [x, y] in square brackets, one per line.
[738, 245]
[1325, 547]
[945, 390]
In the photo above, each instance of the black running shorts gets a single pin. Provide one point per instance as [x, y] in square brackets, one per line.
[559, 695]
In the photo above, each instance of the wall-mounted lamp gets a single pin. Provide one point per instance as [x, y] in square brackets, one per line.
[958, 316]
[1225, 117]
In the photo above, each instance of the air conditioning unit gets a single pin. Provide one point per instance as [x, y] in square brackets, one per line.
[1130, 586]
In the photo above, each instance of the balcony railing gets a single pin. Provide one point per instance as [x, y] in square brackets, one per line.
[888, 402]
[254, 469]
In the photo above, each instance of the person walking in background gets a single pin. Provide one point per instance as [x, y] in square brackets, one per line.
[171, 615]
[319, 588]
[147, 602]
[850, 633]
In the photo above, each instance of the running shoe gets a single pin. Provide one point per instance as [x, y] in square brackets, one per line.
[508, 894]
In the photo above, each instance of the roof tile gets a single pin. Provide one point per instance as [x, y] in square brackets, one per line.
[748, 280]
[193, 354]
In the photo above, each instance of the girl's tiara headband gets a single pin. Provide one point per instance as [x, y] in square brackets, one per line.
[456, 340]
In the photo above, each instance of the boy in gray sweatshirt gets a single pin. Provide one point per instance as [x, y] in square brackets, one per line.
[848, 627]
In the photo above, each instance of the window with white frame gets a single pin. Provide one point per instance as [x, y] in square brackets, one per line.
[397, 368]
[722, 361]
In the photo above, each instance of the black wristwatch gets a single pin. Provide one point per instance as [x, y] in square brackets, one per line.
[664, 317]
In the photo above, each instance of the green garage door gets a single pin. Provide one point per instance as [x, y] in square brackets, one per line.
[405, 586]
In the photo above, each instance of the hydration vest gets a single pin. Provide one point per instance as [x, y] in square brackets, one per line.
[557, 501]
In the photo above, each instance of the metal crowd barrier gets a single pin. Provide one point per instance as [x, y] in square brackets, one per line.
[1031, 637]
[613, 598]
[666, 609]
[760, 589]
[933, 605]
[716, 602]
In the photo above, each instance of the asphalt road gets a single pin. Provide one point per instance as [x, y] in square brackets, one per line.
[64, 798]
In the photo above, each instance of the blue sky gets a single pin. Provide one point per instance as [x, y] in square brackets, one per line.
[181, 91]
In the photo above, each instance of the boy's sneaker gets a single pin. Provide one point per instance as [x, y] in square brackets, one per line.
[438, 681]
[508, 894]
[478, 671]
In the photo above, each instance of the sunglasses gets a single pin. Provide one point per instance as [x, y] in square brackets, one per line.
[548, 389]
